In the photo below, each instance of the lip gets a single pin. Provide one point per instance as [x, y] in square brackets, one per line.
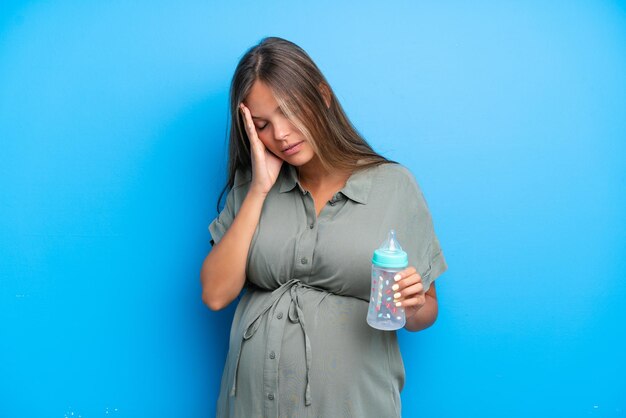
[292, 149]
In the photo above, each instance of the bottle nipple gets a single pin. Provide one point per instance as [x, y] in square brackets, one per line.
[391, 244]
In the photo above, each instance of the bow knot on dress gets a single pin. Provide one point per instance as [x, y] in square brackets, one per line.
[295, 315]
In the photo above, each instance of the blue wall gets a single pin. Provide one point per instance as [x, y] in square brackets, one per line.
[112, 131]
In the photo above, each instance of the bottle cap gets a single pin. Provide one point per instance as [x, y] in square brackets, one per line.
[390, 253]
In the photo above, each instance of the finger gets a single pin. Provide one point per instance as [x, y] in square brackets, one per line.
[418, 300]
[407, 281]
[404, 273]
[409, 292]
[247, 119]
[249, 124]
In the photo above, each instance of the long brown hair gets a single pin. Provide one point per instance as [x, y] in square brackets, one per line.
[297, 85]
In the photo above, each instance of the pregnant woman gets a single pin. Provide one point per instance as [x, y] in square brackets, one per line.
[308, 201]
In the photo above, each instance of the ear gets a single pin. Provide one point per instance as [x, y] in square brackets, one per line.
[325, 93]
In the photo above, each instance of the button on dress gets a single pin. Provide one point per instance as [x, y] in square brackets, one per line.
[299, 344]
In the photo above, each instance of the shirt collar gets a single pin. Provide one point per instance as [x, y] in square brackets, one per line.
[357, 187]
[289, 178]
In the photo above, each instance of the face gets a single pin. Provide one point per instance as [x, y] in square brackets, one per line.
[273, 128]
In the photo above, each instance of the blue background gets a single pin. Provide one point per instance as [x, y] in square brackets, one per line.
[113, 124]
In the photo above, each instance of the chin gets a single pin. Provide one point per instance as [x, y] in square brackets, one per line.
[298, 160]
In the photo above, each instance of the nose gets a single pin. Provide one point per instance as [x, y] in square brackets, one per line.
[282, 128]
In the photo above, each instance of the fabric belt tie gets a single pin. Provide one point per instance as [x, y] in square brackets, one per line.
[295, 315]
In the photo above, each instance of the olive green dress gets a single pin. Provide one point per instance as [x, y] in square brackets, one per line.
[300, 345]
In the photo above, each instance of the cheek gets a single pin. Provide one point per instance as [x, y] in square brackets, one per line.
[265, 139]
[298, 132]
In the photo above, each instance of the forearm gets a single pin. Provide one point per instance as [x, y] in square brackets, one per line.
[424, 317]
[223, 272]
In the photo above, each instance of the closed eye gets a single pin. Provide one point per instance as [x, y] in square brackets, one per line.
[260, 128]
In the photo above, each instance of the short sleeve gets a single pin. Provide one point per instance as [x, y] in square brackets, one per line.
[234, 199]
[224, 219]
[432, 263]
[420, 241]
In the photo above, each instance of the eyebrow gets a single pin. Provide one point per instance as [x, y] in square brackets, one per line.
[274, 111]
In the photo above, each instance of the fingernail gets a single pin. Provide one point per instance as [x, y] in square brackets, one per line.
[398, 303]
[397, 295]
[397, 277]
[395, 287]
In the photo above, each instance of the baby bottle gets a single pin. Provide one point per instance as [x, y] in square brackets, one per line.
[387, 261]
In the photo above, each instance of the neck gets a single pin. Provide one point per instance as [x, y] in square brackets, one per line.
[314, 175]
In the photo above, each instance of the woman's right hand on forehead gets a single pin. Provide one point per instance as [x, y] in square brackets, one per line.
[265, 165]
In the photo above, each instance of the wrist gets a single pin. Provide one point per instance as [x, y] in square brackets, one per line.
[424, 317]
[257, 192]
